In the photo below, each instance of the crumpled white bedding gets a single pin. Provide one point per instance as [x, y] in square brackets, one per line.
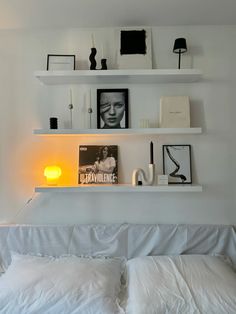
[129, 240]
[69, 285]
[186, 284]
[169, 283]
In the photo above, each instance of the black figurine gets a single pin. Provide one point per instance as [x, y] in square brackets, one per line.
[92, 59]
[104, 64]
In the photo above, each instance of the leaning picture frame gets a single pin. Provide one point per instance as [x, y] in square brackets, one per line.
[134, 49]
[112, 109]
[60, 62]
[177, 163]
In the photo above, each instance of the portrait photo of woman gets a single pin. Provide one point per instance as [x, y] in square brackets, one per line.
[112, 108]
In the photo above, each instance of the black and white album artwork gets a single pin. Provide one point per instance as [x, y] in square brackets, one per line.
[177, 163]
[98, 164]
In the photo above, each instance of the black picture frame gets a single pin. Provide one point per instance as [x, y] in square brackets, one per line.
[177, 163]
[60, 62]
[109, 117]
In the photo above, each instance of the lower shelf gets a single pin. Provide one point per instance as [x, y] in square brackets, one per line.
[121, 188]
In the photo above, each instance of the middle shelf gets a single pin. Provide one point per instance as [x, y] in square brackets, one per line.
[143, 131]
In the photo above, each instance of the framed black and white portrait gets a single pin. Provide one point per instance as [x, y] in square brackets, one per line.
[112, 108]
[177, 163]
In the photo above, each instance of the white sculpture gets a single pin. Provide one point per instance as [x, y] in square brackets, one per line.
[139, 174]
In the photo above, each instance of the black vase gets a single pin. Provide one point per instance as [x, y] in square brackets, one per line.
[92, 59]
[104, 64]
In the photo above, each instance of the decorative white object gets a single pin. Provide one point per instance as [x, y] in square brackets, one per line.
[70, 107]
[144, 123]
[162, 179]
[139, 174]
[90, 110]
[92, 41]
[134, 48]
[174, 112]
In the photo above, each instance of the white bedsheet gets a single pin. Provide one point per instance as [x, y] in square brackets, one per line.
[193, 284]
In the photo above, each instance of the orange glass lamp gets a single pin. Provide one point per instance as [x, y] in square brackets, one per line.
[52, 174]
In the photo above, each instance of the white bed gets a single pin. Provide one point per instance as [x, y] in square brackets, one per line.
[118, 268]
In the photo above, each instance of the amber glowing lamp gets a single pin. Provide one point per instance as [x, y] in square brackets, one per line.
[52, 174]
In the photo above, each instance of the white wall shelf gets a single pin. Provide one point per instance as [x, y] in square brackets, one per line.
[121, 188]
[145, 76]
[144, 131]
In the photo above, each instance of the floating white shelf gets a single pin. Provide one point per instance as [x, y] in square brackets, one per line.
[144, 131]
[121, 188]
[119, 76]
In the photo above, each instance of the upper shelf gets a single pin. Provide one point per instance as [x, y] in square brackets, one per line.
[144, 131]
[119, 76]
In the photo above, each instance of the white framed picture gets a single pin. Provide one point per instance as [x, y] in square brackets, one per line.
[134, 48]
[177, 163]
[60, 62]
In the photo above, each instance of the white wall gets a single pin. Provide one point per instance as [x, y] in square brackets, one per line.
[26, 104]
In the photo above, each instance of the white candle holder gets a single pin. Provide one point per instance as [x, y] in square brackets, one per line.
[70, 106]
[139, 174]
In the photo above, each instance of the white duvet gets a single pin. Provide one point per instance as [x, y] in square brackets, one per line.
[186, 284]
[65, 285]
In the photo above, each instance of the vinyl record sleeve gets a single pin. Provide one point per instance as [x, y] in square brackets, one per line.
[98, 164]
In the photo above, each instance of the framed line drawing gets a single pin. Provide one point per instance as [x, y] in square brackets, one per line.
[60, 62]
[177, 163]
[112, 108]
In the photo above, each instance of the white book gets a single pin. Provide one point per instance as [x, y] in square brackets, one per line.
[174, 112]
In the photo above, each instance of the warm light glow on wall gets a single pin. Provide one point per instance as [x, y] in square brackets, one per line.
[52, 173]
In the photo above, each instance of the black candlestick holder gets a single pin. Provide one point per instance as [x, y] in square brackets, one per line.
[92, 59]
[53, 123]
[104, 64]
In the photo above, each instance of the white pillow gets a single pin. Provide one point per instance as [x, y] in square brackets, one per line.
[68, 284]
[180, 284]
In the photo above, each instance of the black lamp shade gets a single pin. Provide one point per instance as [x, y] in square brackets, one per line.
[180, 45]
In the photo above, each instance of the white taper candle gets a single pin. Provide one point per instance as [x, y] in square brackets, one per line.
[93, 44]
[71, 96]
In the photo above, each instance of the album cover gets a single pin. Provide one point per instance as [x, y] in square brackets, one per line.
[98, 164]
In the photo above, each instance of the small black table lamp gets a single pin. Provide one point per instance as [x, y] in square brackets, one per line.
[180, 46]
